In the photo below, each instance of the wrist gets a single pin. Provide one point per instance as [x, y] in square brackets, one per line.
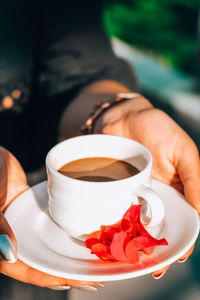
[117, 115]
[76, 114]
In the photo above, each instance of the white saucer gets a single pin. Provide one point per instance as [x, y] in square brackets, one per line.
[45, 246]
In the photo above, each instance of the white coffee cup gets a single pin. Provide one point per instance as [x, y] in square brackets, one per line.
[81, 207]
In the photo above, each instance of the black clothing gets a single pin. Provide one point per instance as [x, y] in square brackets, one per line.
[49, 50]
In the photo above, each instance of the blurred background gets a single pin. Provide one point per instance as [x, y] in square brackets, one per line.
[161, 40]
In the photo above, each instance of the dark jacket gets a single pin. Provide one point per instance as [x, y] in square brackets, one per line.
[49, 50]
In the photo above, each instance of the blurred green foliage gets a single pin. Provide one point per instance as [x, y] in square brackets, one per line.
[166, 27]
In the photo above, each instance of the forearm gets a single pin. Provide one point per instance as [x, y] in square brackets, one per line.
[79, 110]
[81, 107]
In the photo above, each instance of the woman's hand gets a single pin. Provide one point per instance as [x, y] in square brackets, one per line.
[13, 183]
[175, 156]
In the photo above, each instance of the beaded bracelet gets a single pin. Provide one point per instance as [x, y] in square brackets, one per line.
[101, 107]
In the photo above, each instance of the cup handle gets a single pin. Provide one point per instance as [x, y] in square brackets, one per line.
[152, 207]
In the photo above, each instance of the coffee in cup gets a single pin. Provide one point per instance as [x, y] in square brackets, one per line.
[98, 169]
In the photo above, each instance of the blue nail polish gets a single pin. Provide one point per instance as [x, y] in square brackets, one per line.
[8, 250]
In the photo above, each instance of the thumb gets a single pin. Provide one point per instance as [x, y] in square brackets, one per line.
[8, 243]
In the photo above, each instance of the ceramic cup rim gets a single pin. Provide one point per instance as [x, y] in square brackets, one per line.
[65, 178]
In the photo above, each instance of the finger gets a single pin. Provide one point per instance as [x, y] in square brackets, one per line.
[186, 255]
[5, 228]
[22, 272]
[158, 274]
[189, 170]
[8, 244]
[25, 273]
[13, 178]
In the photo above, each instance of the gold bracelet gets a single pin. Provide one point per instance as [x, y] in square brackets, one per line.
[102, 107]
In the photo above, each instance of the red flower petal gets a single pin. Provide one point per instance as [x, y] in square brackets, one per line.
[123, 240]
[133, 212]
[132, 230]
[142, 242]
[148, 250]
[118, 245]
[132, 252]
[92, 238]
[101, 250]
[151, 240]
[107, 235]
[142, 229]
[130, 217]
[117, 226]
[125, 224]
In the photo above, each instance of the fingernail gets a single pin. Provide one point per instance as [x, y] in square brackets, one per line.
[98, 284]
[86, 288]
[8, 250]
[180, 261]
[59, 288]
[159, 275]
